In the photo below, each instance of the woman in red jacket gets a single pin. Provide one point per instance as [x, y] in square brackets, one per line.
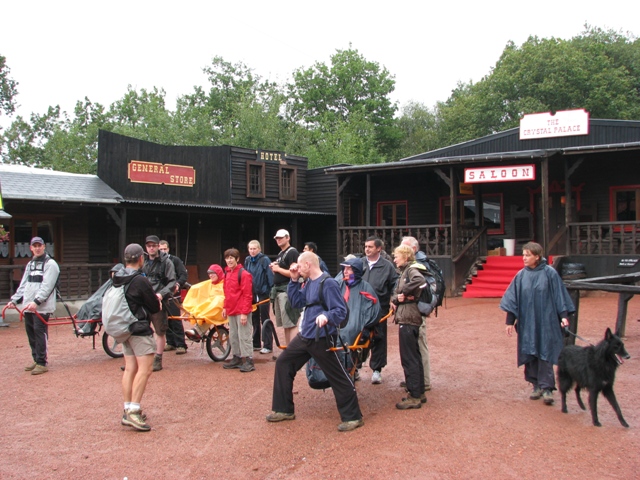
[238, 290]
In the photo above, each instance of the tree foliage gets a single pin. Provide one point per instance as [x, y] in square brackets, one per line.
[8, 89]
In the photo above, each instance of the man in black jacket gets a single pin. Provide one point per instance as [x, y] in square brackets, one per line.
[162, 275]
[140, 347]
[175, 333]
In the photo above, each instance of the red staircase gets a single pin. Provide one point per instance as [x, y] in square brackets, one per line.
[494, 278]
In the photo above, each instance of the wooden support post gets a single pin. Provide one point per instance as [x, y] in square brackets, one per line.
[621, 321]
[573, 318]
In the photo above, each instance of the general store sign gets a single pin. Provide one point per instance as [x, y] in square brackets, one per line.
[546, 125]
[515, 173]
[161, 174]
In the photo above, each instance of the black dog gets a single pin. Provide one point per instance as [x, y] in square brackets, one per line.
[593, 368]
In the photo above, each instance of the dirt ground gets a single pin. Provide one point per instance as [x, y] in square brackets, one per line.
[209, 423]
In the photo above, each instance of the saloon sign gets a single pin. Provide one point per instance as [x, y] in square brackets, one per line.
[515, 173]
[161, 174]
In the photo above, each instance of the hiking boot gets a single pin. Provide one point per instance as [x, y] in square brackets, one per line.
[423, 398]
[124, 417]
[247, 366]
[168, 348]
[350, 425]
[256, 349]
[356, 376]
[157, 363]
[403, 385]
[39, 369]
[536, 393]
[547, 396]
[409, 402]
[30, 367]
[235, 362]
[264, 351]
[376, 378]
[181, 351]
[134, 419]
[280, 416]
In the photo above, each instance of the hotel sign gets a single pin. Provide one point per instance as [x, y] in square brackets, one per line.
[515, 173]
[563, 124]
[161, 174]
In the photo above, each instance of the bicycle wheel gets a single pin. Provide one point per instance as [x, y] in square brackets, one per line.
[113, 348]
[218, 346]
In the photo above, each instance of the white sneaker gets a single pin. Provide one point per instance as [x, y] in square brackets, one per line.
[265, 350]
[376, 378]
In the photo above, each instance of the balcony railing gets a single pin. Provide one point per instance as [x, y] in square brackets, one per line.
[604, 238]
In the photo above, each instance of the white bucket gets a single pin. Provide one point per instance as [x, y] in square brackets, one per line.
[510, 246]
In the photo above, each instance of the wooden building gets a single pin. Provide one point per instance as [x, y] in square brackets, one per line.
[581, 199]
[202, 200]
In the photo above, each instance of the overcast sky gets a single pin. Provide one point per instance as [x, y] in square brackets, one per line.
[61, 51]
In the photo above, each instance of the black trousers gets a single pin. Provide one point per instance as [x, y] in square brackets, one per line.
[540, 372]
[175, 332]
[38, 335]
[297, 353]
[379, 344]
[410, 359]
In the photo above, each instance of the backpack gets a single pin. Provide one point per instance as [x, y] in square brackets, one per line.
[116, 314]
[428, 297]
[239, 274]
[436, 272]
[315, 376]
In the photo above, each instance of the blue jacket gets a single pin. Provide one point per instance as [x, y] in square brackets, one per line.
[258, 267]
[307, 295]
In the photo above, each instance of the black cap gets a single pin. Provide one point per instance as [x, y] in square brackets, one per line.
[132, 252]
[152, 239]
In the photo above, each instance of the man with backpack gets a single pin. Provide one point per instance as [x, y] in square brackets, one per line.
[317, 333]
[161, 273]
[37, 292]
[139, 346]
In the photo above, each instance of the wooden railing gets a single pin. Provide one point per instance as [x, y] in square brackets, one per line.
[78, 281]
[435, 240]
[604, 238]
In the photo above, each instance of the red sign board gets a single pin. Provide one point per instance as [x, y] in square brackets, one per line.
[161, 174]
[514, 173]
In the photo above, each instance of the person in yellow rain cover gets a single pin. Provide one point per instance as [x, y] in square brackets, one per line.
[205, 302]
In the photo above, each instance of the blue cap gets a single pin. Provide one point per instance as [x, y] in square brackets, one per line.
[37, 240]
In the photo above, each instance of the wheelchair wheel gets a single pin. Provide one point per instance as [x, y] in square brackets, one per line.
[218, 346]
[113, 348]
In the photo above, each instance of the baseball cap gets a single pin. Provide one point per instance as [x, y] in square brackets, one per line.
[281, 233]
[37, 240]
[132, 252]
[152, 239]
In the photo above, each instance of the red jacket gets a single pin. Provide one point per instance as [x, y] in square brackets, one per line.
[237, 296]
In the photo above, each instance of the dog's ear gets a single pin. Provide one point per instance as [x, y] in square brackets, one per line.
[607, 334]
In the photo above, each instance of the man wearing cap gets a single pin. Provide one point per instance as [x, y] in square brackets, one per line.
[175, 333]
[37, 292]
[286, 315]
[162, 275]
[140, 346]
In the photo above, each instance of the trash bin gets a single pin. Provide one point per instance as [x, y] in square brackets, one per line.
[510, 246]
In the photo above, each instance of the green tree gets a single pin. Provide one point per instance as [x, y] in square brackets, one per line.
[597, 70]
[328, 99]
[417, 125]
[8, 89]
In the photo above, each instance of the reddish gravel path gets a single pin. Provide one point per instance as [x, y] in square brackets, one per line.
[209, 423]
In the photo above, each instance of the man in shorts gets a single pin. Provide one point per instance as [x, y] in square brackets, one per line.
[140, 347]
[286, 315]
[161, 273]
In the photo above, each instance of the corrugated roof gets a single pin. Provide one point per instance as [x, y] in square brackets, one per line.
[25, 183]
[281, 211]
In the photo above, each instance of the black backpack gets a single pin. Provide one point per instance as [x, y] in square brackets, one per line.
[436, 272]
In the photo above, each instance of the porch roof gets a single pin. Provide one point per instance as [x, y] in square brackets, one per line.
[434, 162]
[228, 208]
[20, 182]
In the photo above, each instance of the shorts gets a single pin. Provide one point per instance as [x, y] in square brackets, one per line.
[160, 322]
[139, 346]
[280, 311]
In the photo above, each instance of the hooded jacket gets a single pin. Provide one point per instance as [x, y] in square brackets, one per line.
[409, 283]
[38, 284]
[140, 296]
[262, 275]
[237, 295]
[361, 298]
[161, 273]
